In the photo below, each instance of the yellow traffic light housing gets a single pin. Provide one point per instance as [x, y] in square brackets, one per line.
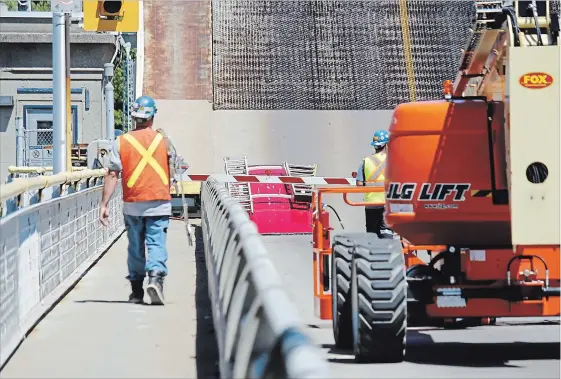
[111, 15]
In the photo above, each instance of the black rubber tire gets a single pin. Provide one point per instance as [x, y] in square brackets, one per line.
[379, 300]
[343, 244]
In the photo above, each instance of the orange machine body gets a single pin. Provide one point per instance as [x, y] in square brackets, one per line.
[505, 269]
[446, 176]
[446, 185]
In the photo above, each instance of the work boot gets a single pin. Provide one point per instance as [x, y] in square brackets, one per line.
[137, 295]
[155, 287]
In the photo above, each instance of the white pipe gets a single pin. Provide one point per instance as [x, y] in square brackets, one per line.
[117, 48]
[109, 111]
[59, 93]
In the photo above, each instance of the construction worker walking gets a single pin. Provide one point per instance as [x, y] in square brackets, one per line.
[143, 157]
[371, 173]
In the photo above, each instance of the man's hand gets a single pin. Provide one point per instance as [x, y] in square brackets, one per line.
[104, 215]
[109, 183]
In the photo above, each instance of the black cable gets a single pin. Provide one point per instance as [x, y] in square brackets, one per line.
[509, 11]
[336, 214]
[534, 9]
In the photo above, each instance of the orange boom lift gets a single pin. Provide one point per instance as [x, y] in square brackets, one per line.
[472, 179]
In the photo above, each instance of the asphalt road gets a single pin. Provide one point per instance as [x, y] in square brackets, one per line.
[514, 348]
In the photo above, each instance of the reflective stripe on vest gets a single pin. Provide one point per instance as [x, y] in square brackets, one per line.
[147, 158]
[374, 178]
[374, 167]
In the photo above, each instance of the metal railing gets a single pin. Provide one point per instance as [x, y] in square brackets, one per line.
[21, 192]
[257, 327]
[32, 171]
[47, 244]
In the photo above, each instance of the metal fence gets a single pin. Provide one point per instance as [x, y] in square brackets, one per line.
[258, 329]
[335, 54]
[34, 147]
[44, 248]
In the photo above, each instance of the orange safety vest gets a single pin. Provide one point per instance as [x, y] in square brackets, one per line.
[145, 174]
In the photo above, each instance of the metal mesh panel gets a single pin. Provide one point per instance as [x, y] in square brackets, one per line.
[41, 137]
[334, 54]
[555, 7]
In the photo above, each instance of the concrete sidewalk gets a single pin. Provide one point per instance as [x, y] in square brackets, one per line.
[95, 333]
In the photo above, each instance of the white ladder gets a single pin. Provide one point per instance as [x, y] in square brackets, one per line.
[239, 191]
[300, 190]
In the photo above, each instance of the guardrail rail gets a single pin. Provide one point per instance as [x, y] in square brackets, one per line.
[258, 329]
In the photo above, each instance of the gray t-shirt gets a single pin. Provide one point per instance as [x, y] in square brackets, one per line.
[140, 208]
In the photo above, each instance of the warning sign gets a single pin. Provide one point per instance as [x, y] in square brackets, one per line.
[40, 156]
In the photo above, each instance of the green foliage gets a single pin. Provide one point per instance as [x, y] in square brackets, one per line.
[41, 6]
[119, 86]
[37, 6]
[11, 4]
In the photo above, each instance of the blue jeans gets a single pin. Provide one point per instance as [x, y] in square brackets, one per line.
[150, 231]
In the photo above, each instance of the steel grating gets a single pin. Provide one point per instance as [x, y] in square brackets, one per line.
[334, 54]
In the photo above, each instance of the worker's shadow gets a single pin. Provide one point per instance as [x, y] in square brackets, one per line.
[106, 302]
[421, 349]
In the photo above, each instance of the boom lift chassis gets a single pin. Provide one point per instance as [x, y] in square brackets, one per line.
[373, 288]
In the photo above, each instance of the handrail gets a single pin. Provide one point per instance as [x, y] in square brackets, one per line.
[22, 185]
[36, 169]
[29, 170]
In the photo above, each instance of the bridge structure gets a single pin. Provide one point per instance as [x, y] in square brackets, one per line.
[238, 304]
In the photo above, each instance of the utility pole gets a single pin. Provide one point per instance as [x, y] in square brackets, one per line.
[128, 88]
[59, 93]
[62, 120]
[68, 93]
[109, 102]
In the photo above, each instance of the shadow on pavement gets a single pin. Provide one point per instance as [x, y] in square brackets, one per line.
[488, 354]
[423, 350]
[104, 301]
[206, 346]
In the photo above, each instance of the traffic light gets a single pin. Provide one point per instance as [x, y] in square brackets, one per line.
[111, 16]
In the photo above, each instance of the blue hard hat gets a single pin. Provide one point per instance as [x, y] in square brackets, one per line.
[144, 108]
[381, 137]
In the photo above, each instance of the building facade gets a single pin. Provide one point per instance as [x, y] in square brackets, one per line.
[26, 87]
